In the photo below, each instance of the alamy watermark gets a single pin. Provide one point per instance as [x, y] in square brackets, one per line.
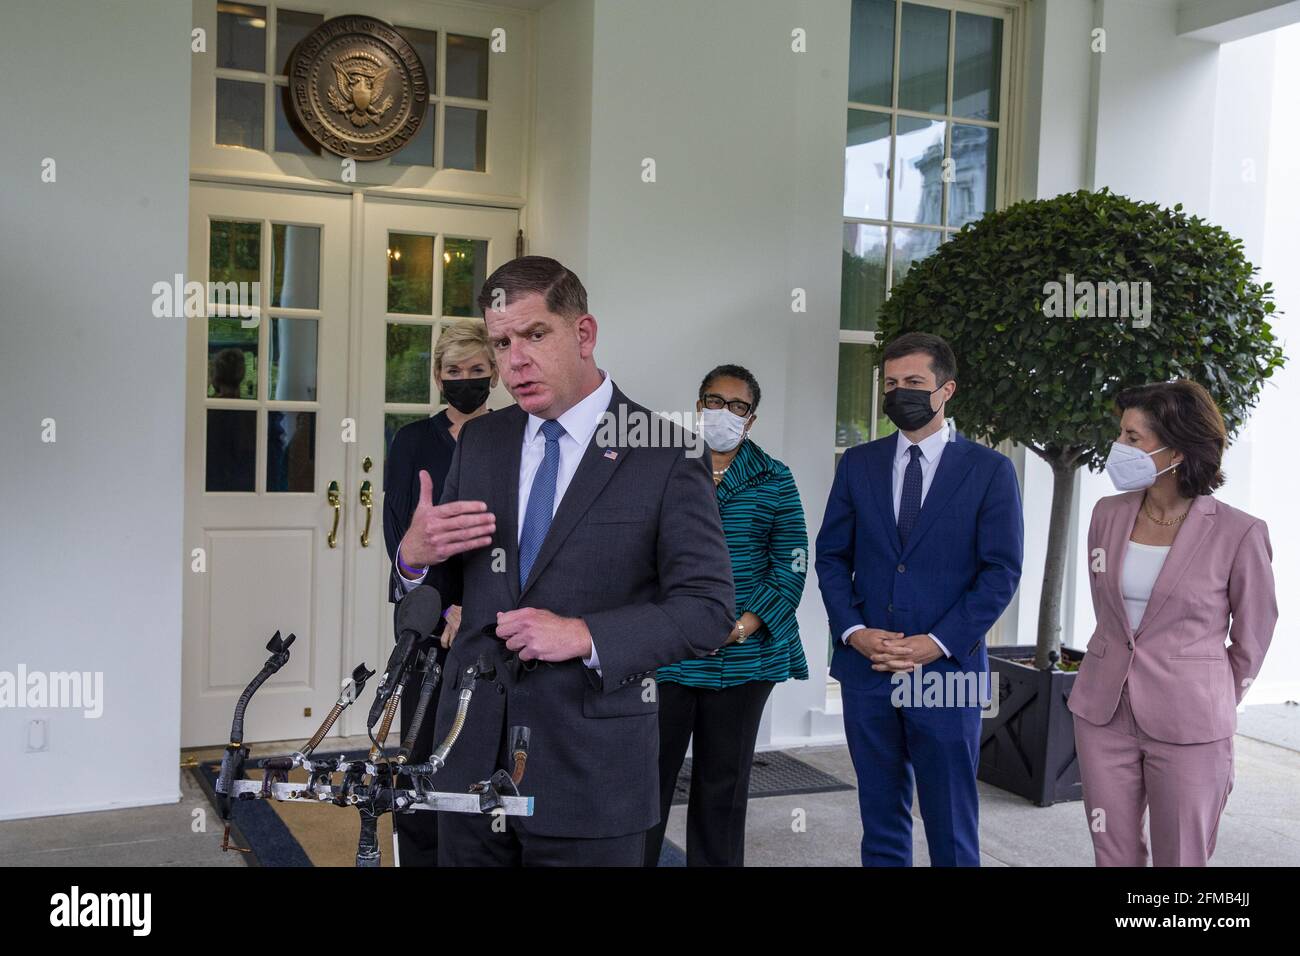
[1102, 300]
[194, 300]
[61, 690]
[933, 688]
[632, 428]
[130, 910]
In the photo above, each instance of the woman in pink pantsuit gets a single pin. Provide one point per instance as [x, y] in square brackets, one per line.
[1174, 573]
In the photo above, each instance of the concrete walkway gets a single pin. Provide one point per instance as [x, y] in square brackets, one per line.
[1261, 826]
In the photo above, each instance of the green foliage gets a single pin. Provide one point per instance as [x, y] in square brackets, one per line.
[1050, 382]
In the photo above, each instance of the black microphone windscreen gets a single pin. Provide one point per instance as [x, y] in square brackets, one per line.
[419, 611]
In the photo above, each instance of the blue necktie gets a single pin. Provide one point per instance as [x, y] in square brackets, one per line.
[909, 505]
[541, 501]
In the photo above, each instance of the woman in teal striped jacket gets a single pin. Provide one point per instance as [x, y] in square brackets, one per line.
[718, 700]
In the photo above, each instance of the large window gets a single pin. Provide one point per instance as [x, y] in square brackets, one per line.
[925, 134]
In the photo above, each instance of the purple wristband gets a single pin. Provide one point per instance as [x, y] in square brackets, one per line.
[407, 568]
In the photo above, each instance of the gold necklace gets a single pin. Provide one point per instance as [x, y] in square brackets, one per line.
[1146, 506]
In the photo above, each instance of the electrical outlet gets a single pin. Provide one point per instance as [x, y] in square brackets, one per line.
[38, 736]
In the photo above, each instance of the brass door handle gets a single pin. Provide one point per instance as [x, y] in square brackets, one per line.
[367, 499]
[333, 495]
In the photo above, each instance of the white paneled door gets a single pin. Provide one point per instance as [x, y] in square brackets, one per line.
[293, 394]
[422, 266]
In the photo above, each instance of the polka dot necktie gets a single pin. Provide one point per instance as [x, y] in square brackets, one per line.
[909, 505]
[541, 501]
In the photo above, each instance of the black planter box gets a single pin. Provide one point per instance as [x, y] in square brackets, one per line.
[1028, 747]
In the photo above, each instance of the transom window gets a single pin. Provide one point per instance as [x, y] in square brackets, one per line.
[254, 43]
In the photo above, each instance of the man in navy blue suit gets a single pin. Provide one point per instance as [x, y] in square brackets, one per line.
[918, 555]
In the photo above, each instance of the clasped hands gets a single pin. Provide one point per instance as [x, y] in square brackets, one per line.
[892, 650]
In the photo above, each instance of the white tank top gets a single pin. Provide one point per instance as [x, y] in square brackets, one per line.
[1142, 564]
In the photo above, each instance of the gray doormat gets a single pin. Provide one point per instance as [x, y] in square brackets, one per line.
[775, 774]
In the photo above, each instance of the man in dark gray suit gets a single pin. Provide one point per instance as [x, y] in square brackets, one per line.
[582, 564]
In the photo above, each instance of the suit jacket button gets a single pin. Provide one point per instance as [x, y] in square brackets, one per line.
[902, 568]
[891, 609]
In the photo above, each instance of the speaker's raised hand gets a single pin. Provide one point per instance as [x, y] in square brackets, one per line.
[439, 532]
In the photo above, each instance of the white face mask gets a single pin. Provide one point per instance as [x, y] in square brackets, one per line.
[722, 429]
[1132, 469]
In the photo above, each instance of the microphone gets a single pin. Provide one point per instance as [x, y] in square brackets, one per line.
[417, 616]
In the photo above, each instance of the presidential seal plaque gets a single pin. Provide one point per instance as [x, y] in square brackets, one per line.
[357, 87]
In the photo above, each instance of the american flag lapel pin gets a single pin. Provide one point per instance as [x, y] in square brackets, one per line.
[611, 454]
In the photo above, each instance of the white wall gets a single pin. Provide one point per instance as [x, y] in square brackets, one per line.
[1263, 464]
[698, 267]
[1154, 129]
[90, 564]
[559, 177]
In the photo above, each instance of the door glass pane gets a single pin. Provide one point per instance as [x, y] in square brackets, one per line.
[923, 59]
[410, 274]
[240, 112]
[918, 170]
[464, 272]
[871, 52]
[232, 359]
[466, 139]
[241, 36]
[467, 67]
[393, 422]
[232, 449]
[290, 27]
[977, 73]
[418, 150]
[866, 165]
[234, 257]
[291, 451]
[425, 43]
[862, 276]
[408, 371]
[287, 137]
[292, 375]
[911, 246]
[973, 190]
[295, 266]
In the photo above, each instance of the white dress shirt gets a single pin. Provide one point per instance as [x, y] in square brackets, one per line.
[580, 423]
[931, 451]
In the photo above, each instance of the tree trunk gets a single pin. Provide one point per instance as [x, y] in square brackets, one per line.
[1058, 532]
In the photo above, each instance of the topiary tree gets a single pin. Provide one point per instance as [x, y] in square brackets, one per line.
[1045, 305]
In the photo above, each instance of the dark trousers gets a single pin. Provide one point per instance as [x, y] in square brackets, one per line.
[724, 724]
[893, 747]
[417, 833]
[468, 839]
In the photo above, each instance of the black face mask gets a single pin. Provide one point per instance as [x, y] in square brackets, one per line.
[909, 408]
[466, 394]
